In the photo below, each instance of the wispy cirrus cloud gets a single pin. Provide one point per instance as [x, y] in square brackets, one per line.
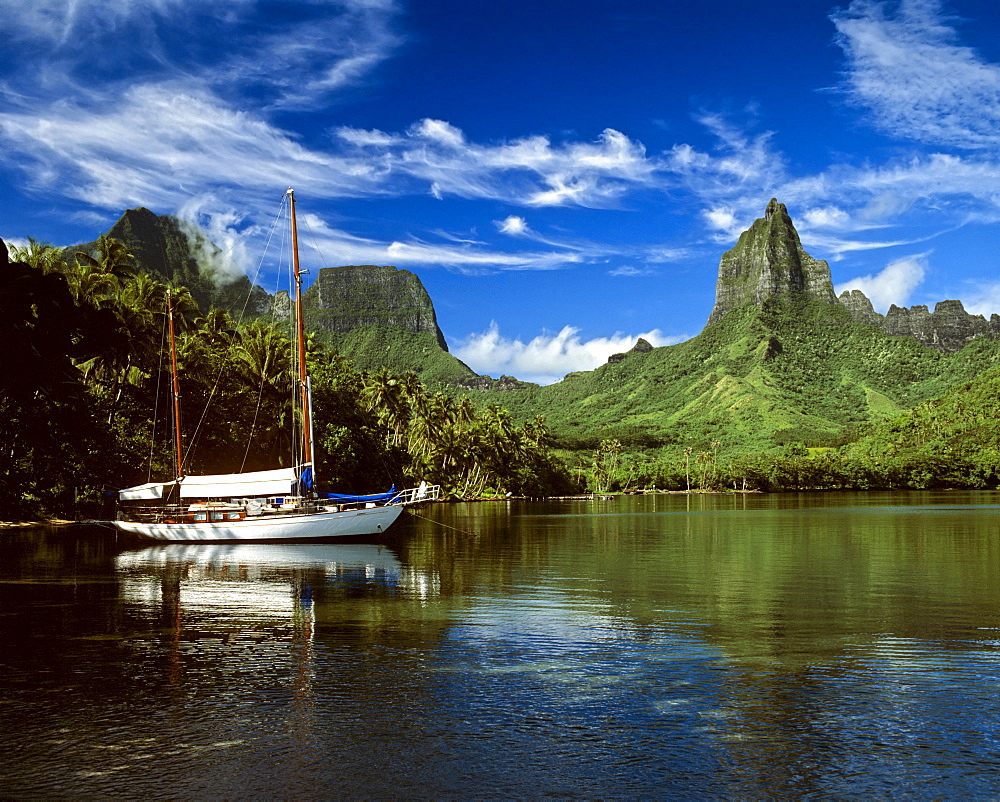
[176, 121]
[909, 71]
[156, 143]
[548, 357]
[467, 256]
[299, 59]
[531, 171]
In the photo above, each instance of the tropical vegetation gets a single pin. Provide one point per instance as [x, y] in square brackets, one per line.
[789, 394]
[84, 405]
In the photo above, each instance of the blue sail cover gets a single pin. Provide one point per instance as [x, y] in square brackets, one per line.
[377, 497]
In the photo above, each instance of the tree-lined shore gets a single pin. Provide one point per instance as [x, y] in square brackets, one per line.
[84, 406]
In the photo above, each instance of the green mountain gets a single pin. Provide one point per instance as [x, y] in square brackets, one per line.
[177, 252]
[381, 317]
[780, 361]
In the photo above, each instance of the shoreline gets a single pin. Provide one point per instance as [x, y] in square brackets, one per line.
[53, 522]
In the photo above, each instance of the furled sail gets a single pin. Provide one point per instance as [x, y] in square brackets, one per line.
[253, 484]
[144, 492]
[278, 482]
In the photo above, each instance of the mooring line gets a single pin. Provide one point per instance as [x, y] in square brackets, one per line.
[446, 526]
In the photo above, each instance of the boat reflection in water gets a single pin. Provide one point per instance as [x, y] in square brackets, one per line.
[256, 592]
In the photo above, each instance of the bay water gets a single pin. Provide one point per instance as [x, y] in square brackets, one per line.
[784, 645]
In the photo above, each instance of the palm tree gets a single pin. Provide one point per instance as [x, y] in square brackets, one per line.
[111, 256]
[384, 395]
[261, 362]
[40, 255]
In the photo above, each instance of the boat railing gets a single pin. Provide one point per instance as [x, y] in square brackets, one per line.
[417, 495]
[214, 512]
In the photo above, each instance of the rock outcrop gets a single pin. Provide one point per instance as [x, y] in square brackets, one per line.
[948, 328]
[767, 260]
[345, 298]
[641, 347]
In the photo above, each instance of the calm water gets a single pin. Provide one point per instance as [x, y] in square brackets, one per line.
[827, 645]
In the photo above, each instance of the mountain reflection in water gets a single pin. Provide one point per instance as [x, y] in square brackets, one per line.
[841, 645]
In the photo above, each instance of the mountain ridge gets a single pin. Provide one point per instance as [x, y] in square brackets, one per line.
[780, 361]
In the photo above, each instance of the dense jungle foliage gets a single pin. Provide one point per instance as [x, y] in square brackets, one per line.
[84, 400]
[790, 395]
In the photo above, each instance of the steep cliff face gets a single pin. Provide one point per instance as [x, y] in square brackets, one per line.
[172, 250]
[158, 243]
[949, 328]
[767, 260]
[346, 298]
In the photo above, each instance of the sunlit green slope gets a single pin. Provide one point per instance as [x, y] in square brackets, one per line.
[795, 369]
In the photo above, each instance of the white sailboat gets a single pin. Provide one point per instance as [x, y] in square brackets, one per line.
[259, 505]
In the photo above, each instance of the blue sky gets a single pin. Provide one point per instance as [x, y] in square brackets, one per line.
[563, 176]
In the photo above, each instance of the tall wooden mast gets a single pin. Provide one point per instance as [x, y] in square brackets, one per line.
[300, 339]
[178, 452]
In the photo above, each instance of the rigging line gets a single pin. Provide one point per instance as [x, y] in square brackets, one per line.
[260, 262]
[283, 267]
[446, 526]
[156, 401]
[314, 242]
[193, 440]
[253, 425]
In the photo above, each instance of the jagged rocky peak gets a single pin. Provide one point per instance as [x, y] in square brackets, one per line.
[345, 298]
[948, 328]
[767, 260]
[860, 307]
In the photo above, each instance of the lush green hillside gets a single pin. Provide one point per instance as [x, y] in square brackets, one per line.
[955, 438]
[178, 253]
[373, 348]
[780, 365]
[796, 369]
[781, 362]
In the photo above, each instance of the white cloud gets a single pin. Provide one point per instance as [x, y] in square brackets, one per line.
[985, 300]
[630, 270]
[179, 130]
[826, 217]
[918, 83]
[156, 141]
[893, 285]
[297, 62]
[531, 171]
[56, 21]
[513, 225]
[723, 219]
[545, 359]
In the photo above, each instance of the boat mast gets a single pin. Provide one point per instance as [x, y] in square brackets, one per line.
[301, 342]
[178, 455]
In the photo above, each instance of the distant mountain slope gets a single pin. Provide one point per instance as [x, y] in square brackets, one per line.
[378, 317]
[343, 299]
[373, 347]
[949, 328]
[780, 361]
[956, 435]
[382, 317]
[174, 251]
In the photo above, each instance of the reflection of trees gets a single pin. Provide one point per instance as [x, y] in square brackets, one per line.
[774, 576]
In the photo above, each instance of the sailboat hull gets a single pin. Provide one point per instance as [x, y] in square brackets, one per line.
[307, 526]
